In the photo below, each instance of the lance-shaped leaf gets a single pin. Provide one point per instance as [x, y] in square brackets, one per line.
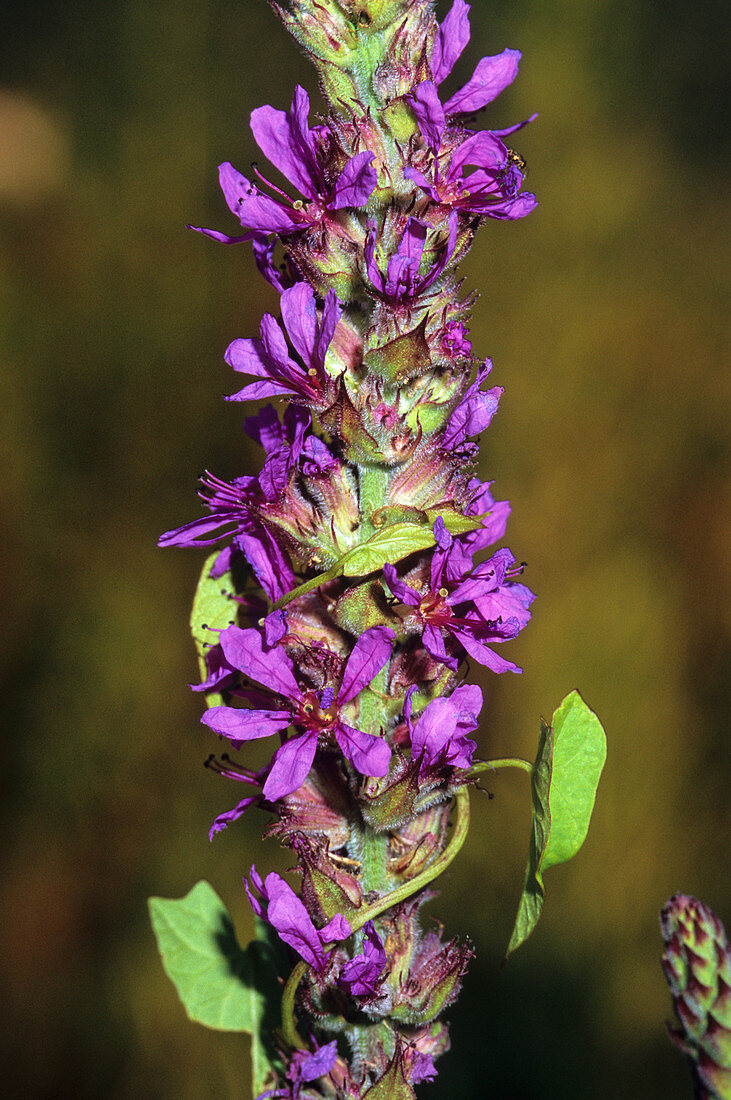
[221, 985]
[571, 755]
[213, 609]
[390, 544]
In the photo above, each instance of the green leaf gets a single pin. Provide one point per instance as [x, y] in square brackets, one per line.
[220, 985]
[456, 523]
[212, 610]
[571, 755]
[389, 544]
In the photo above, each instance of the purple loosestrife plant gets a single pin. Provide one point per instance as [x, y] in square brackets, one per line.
[357, 576]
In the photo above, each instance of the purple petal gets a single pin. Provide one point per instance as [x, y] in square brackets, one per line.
[441, 534]
[520, 207]
[258, 391]
[300, 318]
[445, 257]
[275, 627]
[223, 562]
[356, 182]
[263, 249]
[247, 356]
[516, 126]
[275, 345]
[222, 238]
[422, 1067]
[467, 699]
[483, 654]
[434, 729]
[265, 215]
[491, 76]
[433, 642]
[452, 37]
[230, 816]
[472, 416]
[245, 725]
[272, 131]
[252, 209]
[368, 754]
[361, 976]
[257, 887]
[399, 588]
[265, 428]
[421, 180]
[268, 561]
[367, 658]
[244, 649]
[369, 252]
[290, 766]
[287, 914]
[338, 928]
[404, 265]
[189, 534]
[236, 188]
[482, 150]
[319, 1063]
[427, 107]
[331, 313]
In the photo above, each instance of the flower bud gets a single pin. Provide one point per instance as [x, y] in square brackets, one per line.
[697, 965]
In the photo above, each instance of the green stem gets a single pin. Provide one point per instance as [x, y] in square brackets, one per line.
[376, 908]
[493, 765]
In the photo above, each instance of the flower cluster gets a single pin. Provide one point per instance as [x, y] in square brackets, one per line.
[353, 555]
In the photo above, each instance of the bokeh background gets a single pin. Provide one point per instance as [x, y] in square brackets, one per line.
[605, 313]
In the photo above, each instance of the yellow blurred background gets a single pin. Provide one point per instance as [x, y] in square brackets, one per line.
[606, 315]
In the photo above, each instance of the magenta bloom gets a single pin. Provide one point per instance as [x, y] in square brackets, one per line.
[474, 412]
[439, 736]
[402, 281]
[492, 189]
[237, 507]
[361, 976]
[300, 152]
[269, 359]
[278, 904]
[317, 714]
[500, 608]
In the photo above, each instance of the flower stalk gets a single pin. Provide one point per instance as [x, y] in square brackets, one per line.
[357, 575]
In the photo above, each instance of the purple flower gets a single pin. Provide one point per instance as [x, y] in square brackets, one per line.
[455, 340]
[229, 770]
[317, 714]
[268, 357]
[474, 412]
[402, 282]
[493, 187]
[422, 1067]
[361, 976]
[304, 1066]
[439, 736]
[302, 155]
[500, 604]
[235, 508]
[275, 901]
[491, 76]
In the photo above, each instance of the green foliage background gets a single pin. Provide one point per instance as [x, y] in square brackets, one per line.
[605, 313]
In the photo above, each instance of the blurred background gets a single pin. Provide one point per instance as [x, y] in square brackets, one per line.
[606, 315]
